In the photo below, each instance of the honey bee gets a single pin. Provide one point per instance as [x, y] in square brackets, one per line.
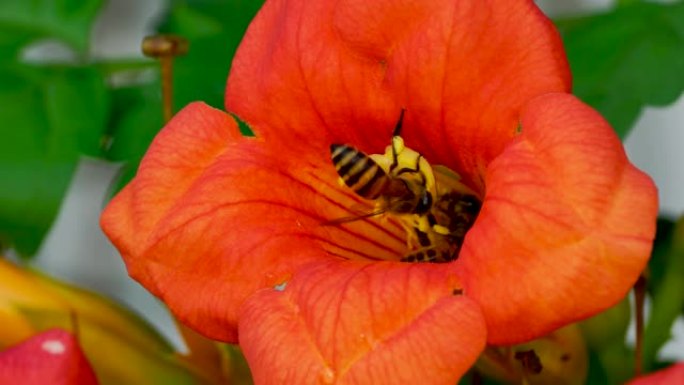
[434, 207]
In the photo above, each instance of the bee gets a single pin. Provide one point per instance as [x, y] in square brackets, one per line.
[432, 205]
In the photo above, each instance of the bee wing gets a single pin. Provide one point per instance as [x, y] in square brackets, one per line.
[446, 180]
[353, 218]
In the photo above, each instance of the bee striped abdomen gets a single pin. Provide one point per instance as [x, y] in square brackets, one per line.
[358, 171]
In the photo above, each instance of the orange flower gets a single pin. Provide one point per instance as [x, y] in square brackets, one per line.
[231, 231]
[51, 357]
[673, 374]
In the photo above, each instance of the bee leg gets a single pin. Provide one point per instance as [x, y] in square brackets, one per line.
[426, 254]
[439, 229]
[411, 239]
[448, 254]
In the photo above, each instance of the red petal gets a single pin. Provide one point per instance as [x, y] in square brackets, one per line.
[362, 323]
[339, 71]
[671, 375]
[566, 225]
[179, 155]
[211, 217]
[52, 357]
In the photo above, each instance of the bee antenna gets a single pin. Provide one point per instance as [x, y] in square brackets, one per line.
[400, 122]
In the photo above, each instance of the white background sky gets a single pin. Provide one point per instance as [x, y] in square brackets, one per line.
[77, 251]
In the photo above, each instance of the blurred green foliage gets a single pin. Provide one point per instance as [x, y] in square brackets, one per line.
[51, 115]
[611, 360]
[666, 287]
[214, 29]
[54, 113]
[22, 22]
[626, 59]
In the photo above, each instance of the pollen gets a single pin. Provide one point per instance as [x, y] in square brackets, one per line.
[430, 202]
[437, 234]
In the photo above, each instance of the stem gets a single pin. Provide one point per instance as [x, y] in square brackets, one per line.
[165, 48]
[204, 355]
[639, 298]
[167, 86]
[475, 377]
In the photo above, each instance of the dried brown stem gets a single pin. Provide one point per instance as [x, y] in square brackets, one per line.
[167, 86]
[165, 48]
[639, 298]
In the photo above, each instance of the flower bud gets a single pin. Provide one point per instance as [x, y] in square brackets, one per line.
[122, 348]
[51, 357]
[559, 358]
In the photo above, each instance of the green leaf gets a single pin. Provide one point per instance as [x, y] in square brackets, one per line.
[50, 116]
[658, 264]
[667, 295]
[214, 29]
[66, 20]
[240, 373]
[136, 119]
[597, 373]
[626, 59]
[607, 328]
[610, 360]
[11, 44]
[611, 366]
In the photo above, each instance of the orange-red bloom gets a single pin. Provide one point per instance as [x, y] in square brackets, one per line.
[671, 375]
[215, 223]
[51, 357]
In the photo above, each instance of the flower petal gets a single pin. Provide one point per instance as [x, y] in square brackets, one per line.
[674, 374]
[362, 323]
[179, 155]
[339, 71]
[212, 216]
[566, 225]
[51, 357]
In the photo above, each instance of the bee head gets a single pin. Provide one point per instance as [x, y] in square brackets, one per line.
[424, 203]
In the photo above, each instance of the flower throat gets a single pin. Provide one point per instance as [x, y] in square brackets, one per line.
[435, 208]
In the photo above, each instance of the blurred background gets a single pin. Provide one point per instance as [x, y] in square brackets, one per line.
[608, 53]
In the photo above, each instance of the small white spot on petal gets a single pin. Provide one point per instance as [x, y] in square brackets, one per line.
[281, 286]
[53, 346]
[327, 375]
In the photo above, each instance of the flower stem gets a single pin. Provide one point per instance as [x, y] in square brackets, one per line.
[475, 377]
[165, 48]
[204, 357]
[639, 297]
[167, 86]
